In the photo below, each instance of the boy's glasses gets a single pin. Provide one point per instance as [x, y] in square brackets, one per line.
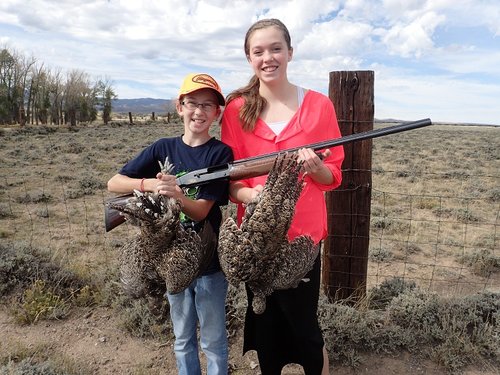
[205, 107]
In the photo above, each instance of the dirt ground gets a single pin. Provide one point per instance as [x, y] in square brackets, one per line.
[94, 342]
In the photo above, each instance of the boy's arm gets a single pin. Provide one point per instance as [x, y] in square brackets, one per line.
[122, 184]
[197, 210]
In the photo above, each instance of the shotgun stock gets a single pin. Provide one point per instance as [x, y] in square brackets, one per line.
[112, 217]
[254, 166]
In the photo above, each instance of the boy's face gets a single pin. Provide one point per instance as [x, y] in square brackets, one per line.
[199, 110]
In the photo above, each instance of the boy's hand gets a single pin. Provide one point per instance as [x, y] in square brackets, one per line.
[167, 185]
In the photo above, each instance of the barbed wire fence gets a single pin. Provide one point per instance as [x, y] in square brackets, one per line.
[443, 253]
[444, 243]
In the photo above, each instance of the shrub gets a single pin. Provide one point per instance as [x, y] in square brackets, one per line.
[28, 367]
[410, 248]
[45, 290]
[442, 212]
[39, 359]
[39, 302]
[494, 195]
[236, 303]
[34, 197]
[5, 211]
[42, 212]
[64, 178]
[91, 184]
[464, 215]
[414, 310]
[346, 330]
[482, 262]
[381, 223]
[141, 319]
[380, 254]
[380, 296]
[74, 148]
[454, 332]
[87, 185]
[457, 330]
[21, 265]
[85, 297]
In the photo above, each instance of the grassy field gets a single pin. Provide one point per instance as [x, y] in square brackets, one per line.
[435, 208]
[434, 226]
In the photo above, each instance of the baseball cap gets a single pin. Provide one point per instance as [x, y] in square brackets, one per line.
[197, 81]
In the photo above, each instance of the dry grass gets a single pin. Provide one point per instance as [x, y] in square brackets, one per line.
[435, 201]
[435, 210]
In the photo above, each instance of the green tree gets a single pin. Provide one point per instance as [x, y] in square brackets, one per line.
[8, 65]
[107, 95]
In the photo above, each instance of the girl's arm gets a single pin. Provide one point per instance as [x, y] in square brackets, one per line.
[241, 193]
[314, 166]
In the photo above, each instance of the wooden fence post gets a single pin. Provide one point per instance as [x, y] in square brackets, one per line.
[130, 118]
[345, 255]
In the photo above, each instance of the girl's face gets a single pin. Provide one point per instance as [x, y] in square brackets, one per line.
[199, 110]
[269, 54]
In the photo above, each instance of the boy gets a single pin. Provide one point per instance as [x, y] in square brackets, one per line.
[198, 105]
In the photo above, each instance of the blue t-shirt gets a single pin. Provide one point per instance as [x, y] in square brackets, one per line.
[186, 159]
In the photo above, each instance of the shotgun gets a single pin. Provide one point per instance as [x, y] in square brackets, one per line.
[254, 166]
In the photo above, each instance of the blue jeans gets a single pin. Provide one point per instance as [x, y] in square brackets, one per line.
[204, 301]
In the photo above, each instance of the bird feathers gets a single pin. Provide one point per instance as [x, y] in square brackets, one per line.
[166, 255]
[163, 256]
[259, 252]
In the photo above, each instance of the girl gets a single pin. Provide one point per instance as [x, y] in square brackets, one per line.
[268, 115]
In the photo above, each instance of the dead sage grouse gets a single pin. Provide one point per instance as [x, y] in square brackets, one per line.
[163, 255]
[259, 253]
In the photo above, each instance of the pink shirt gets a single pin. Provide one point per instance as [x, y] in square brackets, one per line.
[314, 121]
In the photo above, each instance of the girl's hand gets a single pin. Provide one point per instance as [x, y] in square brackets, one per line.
[252, 193]
[313, 165]
[255, 191]
[312, 162]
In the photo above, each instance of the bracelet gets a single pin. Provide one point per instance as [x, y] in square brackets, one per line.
[142, 186]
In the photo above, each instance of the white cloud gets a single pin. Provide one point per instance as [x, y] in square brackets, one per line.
[441, 98]
[337, 37]
[146, 47]
[413, 38]
[484, 63]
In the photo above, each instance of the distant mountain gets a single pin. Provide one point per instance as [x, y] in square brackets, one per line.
[143, 105]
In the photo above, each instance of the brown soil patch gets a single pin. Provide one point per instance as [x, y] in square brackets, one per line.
[95, 343]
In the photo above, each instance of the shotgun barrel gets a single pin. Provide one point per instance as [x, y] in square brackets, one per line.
[262, 164]
[254, 166]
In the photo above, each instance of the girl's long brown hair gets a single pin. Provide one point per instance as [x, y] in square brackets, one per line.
[254, 103]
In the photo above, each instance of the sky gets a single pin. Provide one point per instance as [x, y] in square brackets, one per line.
[437, 59]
